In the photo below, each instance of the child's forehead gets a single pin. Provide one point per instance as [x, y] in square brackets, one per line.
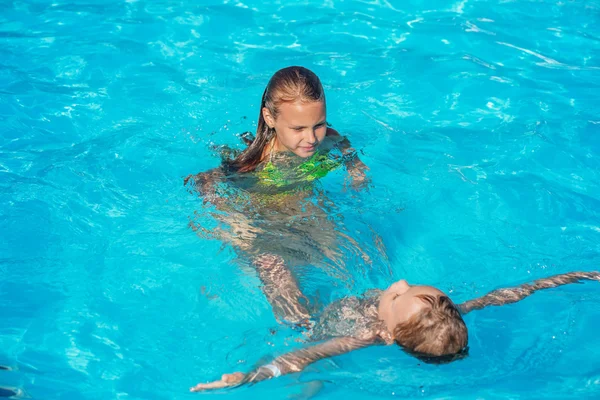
[427, 289]
[422, 290]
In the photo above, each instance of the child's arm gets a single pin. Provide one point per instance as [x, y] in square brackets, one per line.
[356, 168]
[512, 295]
[288, 363]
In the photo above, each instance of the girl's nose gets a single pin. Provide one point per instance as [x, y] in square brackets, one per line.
[310, 136]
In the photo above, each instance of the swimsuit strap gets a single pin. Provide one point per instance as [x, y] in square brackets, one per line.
[271, 151]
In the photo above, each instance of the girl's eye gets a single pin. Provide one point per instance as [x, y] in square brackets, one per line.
[298, 129]
[396, 296]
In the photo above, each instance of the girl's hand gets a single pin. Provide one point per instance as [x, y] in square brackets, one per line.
[205, 183]
[227, 380]
[360, 180]
[357, 176]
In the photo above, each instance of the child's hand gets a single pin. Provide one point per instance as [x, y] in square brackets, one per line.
[226, 380]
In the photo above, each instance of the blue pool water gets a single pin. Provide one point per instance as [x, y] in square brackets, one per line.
[479, 122]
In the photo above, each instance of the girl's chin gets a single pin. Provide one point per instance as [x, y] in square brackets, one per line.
[305, 152]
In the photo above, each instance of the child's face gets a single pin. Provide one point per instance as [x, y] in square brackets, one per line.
[399, 302]
[300, 127]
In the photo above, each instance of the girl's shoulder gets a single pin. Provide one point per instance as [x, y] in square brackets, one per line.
[332, 133]
[332, 139]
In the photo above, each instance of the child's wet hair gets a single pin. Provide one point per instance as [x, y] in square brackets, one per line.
[286, 85]
[436, 333]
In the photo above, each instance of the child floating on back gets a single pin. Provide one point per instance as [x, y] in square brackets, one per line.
[420, 319]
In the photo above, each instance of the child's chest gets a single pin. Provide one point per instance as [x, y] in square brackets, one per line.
[345, 317]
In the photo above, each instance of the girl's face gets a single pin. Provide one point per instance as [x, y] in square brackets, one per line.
[300, 127]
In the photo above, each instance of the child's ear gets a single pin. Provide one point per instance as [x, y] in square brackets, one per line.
[268, 117]
[386, 336]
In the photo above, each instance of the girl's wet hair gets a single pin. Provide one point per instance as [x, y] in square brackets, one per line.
[437, 333]
[286, 85]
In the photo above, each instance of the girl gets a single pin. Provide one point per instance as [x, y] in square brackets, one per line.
[273, 209]
[292, 121]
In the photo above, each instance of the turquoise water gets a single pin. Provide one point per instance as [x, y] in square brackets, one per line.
[479, 123]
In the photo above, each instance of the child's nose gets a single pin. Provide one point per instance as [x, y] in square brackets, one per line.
[400, 286]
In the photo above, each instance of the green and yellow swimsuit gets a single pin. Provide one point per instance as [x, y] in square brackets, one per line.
[316, 166]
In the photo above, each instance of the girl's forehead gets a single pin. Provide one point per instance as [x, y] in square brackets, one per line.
[299, 109]
[299, 106]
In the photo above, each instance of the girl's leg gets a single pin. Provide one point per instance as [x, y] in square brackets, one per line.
[281, 289]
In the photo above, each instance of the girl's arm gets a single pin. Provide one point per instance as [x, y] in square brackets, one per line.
[288, 363]
[500, 297]
[356, 168]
